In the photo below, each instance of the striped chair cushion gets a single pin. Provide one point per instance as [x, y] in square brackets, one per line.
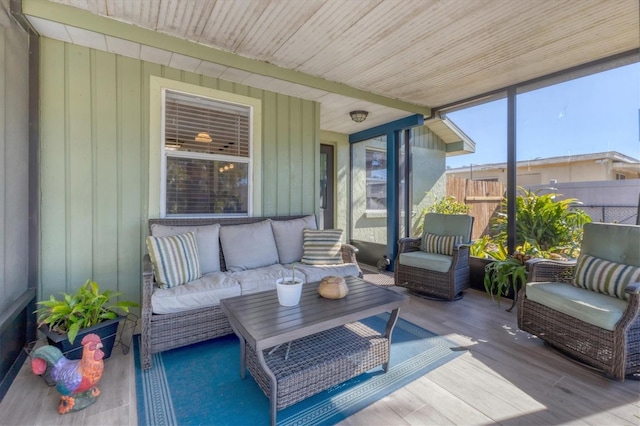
[322, 247]
[604, 276]
[441, 244]
[174, 258]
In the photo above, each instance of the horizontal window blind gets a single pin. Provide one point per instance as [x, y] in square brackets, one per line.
[207, 147]
[198, 124]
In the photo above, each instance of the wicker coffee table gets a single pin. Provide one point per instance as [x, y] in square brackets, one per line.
[328, 344]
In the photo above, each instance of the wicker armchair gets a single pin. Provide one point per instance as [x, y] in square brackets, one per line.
[615, 352]
[433, 275]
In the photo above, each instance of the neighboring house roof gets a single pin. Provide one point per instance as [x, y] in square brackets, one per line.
[620, 162]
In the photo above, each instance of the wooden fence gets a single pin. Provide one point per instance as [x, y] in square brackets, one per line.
[483, 197]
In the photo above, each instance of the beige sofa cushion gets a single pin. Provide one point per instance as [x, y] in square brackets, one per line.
[594, 308]
[248, 246]
[203, 292]
[258, 279]
[315, 273]
[289, 239]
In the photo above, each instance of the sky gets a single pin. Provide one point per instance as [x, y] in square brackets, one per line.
[597, 113]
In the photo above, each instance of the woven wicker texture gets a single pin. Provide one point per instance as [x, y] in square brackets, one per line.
[445, 285]
[319, 361]
[616, 353]
[169, 331]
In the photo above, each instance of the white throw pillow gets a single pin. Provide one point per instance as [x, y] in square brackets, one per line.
[289, 238]
[248, 246]
[207, 238]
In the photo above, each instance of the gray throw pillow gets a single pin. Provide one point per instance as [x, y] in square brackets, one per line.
[289, 238]
[248, 246]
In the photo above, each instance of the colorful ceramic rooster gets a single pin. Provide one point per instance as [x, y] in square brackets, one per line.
[75, 379]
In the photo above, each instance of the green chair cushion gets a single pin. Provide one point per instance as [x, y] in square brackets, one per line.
[447, 224]
[424, 260]
[598, 309]
[612, 242]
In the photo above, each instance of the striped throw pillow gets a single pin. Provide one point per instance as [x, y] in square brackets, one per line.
[441, 244]
[174, 258]
[604, 276]
[321, 247]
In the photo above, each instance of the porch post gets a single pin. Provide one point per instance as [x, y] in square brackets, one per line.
[392, 195]
[511, 169]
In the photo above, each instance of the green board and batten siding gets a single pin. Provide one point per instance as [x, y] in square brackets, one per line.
[94, 161]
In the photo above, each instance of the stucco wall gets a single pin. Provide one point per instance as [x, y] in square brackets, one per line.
[367, 225]
[428, 159]
[95, 141]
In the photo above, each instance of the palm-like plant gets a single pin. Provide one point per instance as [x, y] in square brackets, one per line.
[545, 227]
[544, 223]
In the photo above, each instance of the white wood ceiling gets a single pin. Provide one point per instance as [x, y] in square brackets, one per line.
[426, 52]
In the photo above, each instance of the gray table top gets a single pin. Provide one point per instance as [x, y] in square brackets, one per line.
[263, 323]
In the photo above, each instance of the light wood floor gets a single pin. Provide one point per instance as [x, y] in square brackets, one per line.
[504, 376]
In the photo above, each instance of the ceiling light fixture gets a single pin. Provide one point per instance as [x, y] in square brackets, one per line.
[203, 137]
[359, 116]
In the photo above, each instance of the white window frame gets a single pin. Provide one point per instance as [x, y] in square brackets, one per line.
[203, 156]
[157, 152]
[374, 213]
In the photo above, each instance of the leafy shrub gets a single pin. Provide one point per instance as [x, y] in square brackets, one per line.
[545, 227]
[445, 205]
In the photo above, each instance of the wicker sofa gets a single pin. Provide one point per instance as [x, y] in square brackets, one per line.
[190, 313]
[589, 309]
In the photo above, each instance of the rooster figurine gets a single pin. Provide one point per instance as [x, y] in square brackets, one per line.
[75, 379]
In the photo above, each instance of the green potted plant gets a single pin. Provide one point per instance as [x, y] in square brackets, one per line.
[504, 277]
[64, 321]
[546, 227]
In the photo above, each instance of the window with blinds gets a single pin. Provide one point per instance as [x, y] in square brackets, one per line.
[207, 148]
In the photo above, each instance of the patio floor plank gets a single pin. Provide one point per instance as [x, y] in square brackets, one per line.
[506, 376]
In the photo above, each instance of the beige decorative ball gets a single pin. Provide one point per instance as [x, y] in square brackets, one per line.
[333, 288]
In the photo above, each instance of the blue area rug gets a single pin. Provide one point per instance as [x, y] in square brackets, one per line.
[200, 384]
